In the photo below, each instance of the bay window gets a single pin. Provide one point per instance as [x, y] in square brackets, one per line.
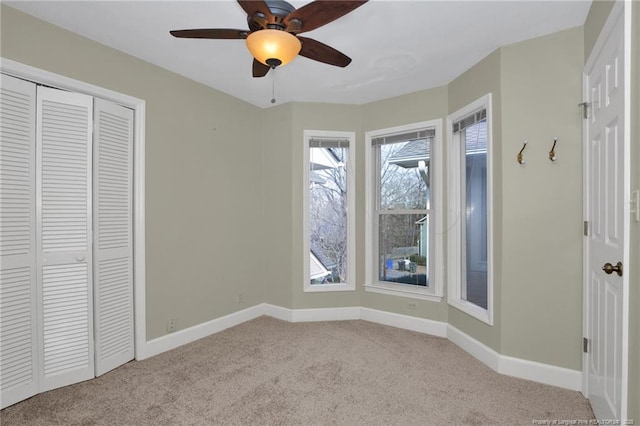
[469, 190]
[329, 218]
[403, 190]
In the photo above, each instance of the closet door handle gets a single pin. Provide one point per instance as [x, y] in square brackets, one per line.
[80, 258]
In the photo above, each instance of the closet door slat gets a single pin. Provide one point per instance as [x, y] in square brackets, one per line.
[18, 320]
[64, 223]
[113, 251]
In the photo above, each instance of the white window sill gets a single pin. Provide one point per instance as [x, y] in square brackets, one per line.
[320, 288]
[411, 291]
[473, 310]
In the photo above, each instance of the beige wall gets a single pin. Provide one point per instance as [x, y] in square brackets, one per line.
[541, 295]
[203, 172]
[274, 224]
[598, 14]
[479, 80]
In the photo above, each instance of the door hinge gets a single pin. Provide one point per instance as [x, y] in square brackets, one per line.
[585, 345]
[585, 109]
[585, 228]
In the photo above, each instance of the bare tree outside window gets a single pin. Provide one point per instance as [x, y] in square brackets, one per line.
[328, 213]
[400, 187]
[403, 210]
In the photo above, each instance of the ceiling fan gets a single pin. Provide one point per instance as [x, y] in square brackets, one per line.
[274, 25]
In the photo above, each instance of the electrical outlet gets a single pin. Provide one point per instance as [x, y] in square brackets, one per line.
[412, 305]
[240, 297]
[171, 325]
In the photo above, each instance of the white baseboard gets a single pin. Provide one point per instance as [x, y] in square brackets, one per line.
[407, 322]
[541, 373]
[188, 335]
[312, 314]
[329, 314]
[516, 367]
[478, 350]
[420, 325]
[510, 366]
[278, 312]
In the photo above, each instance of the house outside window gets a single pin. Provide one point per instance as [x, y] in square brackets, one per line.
[329, 217]
[470, 218]
[403, 211]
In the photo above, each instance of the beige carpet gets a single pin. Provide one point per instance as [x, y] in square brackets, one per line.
[270, 372]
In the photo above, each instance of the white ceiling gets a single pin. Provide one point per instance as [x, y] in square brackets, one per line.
[397, 47]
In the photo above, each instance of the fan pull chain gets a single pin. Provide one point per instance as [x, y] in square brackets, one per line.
[273, 85]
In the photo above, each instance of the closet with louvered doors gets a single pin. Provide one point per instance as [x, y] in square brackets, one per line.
[66, 283]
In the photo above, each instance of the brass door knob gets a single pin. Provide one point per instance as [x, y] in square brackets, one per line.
[609, 268]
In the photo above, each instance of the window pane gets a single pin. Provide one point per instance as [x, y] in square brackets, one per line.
[403, 241]
[328, 215]
[404, 178]
[475, 198]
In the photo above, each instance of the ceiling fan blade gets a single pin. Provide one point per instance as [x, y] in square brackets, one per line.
[251, 7]
[260, 69]
[320, 52]
[211, 33]
[321, 12]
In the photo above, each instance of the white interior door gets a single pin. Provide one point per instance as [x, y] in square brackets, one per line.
[605, 211]
[113, 233]
[64, 234]
[18, 320]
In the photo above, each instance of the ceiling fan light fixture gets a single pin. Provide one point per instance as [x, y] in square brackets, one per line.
[273, 47]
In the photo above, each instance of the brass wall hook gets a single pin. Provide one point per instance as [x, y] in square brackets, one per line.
[552, 153]
[520, 156]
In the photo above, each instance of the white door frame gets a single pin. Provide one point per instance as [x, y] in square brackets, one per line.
[36, 75]
[620, 8]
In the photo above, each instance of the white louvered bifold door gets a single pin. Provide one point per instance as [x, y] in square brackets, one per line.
[18, 319]
[63, 194]
[113, 244]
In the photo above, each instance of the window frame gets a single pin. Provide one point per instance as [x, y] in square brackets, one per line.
[454, 240]
[350, 285]
[434, 292]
